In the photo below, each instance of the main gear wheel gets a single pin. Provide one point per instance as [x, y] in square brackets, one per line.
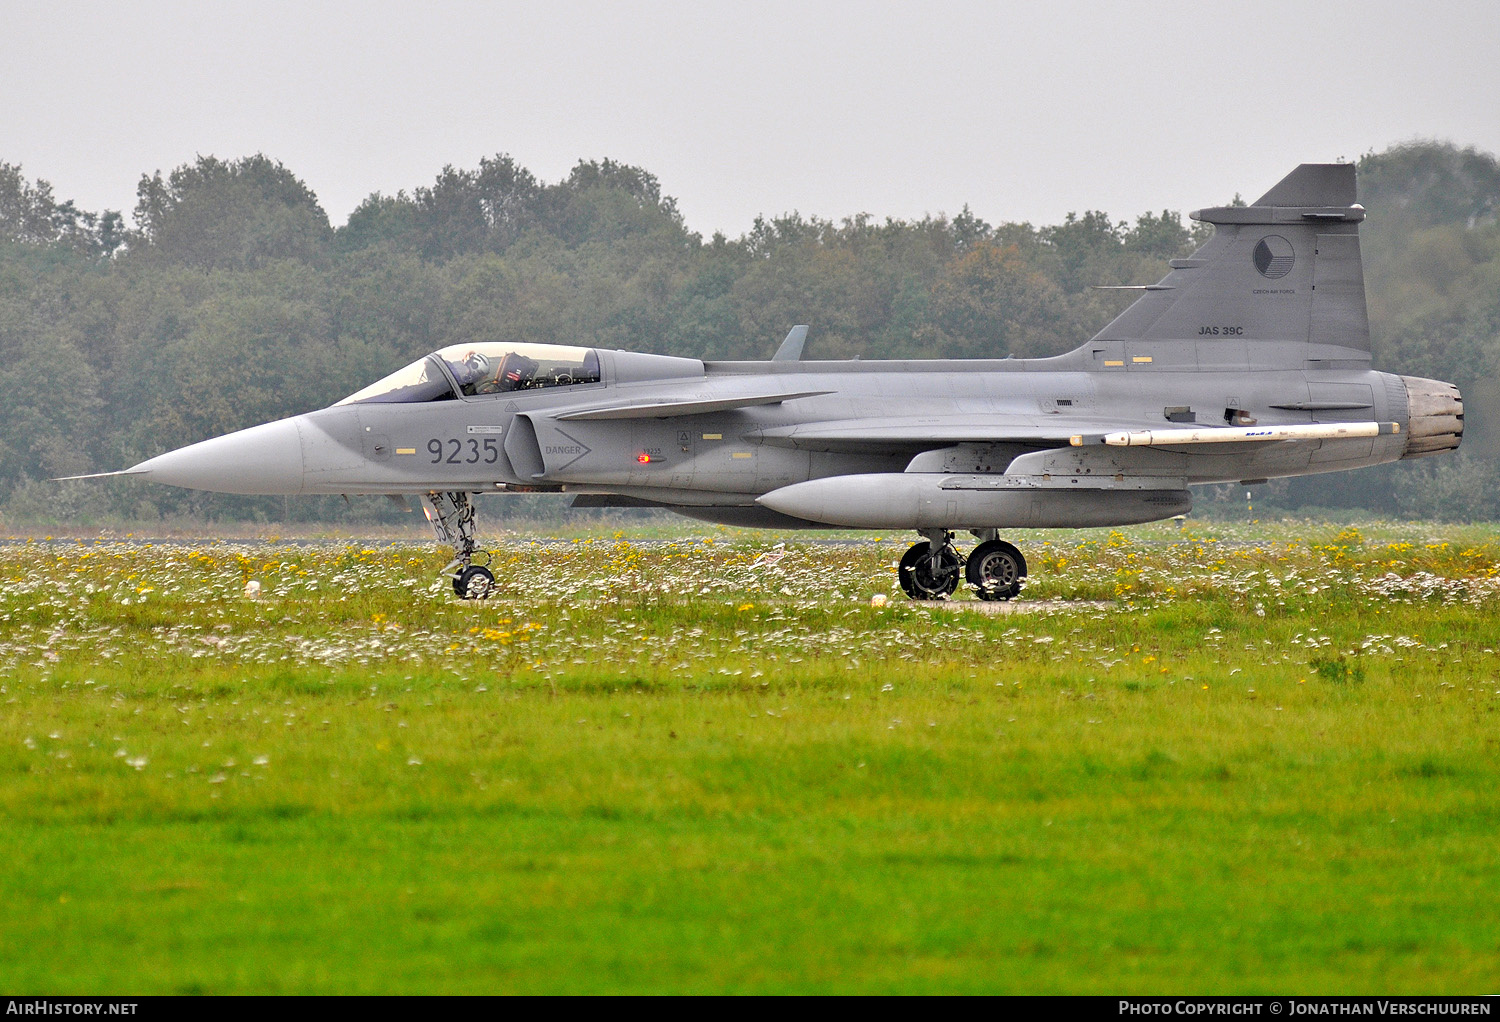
[926, 573]
[996, 570]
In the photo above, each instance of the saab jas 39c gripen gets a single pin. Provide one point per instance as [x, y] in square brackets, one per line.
[1250, 359]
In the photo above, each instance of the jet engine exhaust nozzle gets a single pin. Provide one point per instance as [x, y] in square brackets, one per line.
[1437, 417]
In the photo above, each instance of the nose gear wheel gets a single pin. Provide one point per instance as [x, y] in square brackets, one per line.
[474, 583]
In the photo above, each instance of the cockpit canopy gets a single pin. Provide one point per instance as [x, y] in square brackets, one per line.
[473, 370]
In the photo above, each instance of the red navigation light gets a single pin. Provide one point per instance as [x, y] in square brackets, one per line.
[643, 458]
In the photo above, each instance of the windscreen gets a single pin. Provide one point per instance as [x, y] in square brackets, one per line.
[423, 380]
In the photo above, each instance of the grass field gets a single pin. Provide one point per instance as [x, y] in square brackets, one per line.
[1209, 759]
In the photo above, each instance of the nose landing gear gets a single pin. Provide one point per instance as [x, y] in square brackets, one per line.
[452, 518]
[930, 570]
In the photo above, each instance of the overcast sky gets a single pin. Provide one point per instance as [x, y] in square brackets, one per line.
[1022, 110]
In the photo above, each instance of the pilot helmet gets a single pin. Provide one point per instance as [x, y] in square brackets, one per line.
[474, 367]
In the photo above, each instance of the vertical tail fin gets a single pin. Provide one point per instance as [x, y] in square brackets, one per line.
[1280, 282]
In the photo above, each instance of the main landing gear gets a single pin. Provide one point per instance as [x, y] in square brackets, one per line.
[452, 518]
[931, 570]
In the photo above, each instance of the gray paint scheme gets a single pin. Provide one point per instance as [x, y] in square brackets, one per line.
[1264, 324]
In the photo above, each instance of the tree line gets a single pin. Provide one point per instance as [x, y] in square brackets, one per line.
[230, 299]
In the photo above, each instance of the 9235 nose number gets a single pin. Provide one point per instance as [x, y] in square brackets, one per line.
[464, 452]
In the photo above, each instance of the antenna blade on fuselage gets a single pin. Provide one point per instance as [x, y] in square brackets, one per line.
[791, 348]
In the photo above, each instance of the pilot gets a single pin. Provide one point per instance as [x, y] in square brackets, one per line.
[471, 370]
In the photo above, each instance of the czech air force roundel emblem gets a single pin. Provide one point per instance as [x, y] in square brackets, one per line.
[1273, 257]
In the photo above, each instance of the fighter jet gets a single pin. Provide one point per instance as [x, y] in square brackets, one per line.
[1249, 360]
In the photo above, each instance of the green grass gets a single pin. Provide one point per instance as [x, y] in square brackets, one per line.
[1260, 759]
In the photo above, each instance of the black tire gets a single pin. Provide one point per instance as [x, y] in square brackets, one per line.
[925, 576]
[996, 570]
[475, 583]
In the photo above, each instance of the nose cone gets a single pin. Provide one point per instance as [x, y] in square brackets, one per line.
[262, 459]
